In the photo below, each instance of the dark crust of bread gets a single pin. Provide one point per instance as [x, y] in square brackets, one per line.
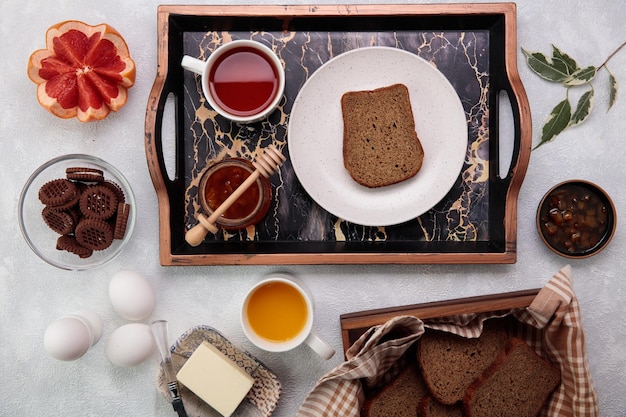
[380, 144]
[449, 363]
[525, 389]
[429, 407]
[397, 398]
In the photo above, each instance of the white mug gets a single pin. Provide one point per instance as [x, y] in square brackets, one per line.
[277, 316]
[243, 67]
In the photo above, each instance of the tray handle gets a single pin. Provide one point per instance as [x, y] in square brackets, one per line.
[509, 82]
[522, 133]
[163, 185]
[154, 133]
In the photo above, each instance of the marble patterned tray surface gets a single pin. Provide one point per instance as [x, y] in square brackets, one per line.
[295, 216]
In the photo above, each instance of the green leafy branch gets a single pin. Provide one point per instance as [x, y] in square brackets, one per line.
[562, 68]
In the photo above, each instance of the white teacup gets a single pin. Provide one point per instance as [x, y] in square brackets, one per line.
[242, 80]
[277, 316]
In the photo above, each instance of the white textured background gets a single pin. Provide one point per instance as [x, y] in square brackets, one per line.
[32, 293]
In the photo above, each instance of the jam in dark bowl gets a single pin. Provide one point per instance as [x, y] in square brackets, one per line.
[576, 219]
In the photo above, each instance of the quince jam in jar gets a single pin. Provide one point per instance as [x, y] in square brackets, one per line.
[220, 180]
[576, 218]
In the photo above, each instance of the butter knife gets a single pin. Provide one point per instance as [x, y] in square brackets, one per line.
[159, 331]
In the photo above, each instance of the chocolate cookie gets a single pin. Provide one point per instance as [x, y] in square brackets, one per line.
[94, 233]
[98, 202]
[70, 244]
[62, 222]
[84, 174]
[119, 193]
[121, 220]
[57, 192]
[71, 204]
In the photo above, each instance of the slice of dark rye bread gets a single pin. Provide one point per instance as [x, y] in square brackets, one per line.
[380, 144]
[429, 407]
[517, 384]
[450, 363]
[398, 398]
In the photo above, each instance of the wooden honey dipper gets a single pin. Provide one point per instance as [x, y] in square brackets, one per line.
[265, 165]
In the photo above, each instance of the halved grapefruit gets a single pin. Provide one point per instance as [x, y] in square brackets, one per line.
[84, 72]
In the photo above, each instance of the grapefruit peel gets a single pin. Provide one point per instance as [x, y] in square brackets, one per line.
[84, 72]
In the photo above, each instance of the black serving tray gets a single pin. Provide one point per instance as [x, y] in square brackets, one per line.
[473, 45]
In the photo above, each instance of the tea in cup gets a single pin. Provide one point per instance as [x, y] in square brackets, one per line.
[277, 315]
[242, 80]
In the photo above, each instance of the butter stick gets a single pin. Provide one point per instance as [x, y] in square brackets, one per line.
[216, 379]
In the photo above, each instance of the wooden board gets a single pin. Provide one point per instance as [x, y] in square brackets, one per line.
[353, 325]
[473, 45]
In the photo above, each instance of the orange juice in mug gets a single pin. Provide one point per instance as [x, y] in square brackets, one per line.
[277, 315]
[277, 311]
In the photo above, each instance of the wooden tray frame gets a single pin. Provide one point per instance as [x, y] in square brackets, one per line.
[354, 325]
[344, 253]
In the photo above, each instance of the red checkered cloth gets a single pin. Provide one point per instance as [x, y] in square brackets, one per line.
[555, 332]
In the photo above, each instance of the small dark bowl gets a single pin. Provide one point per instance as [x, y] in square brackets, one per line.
[576, 219]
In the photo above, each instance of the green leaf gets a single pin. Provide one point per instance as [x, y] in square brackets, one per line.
[582, 76]
[564, 61]
[612, 89]
[557, 122]
[583, 108]
[540, 65]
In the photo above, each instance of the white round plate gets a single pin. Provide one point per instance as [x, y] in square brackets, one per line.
[315, 136]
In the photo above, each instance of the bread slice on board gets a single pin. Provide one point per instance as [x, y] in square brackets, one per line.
[399, 398]
[380, 144]
[517, 384]
[450, 363]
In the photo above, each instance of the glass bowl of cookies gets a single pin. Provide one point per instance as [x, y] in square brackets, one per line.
[77, 212]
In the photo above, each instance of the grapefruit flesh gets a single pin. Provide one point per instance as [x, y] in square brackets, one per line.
[84, 72]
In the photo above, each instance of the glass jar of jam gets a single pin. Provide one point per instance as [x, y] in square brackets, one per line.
[220, 180]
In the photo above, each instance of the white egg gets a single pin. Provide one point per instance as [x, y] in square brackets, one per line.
[70, 337]
[131, 295]
[130, 344]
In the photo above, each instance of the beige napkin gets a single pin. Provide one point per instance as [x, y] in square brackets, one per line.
[555, 332]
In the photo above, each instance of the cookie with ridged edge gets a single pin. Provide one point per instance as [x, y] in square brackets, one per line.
[113, 186]
[84, 174]
[70, 205]
[62, 222]
[98, 202]
[94, 233]
[57, 192]
[121, 220]
[70, 244]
